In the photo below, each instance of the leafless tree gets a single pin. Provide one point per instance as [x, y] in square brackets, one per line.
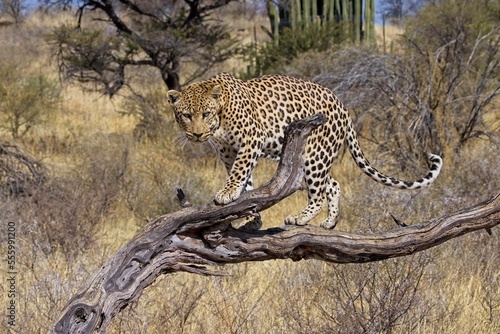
[13, 8]
[397, 9]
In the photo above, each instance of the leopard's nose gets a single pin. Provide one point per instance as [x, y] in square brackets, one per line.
[197, 135]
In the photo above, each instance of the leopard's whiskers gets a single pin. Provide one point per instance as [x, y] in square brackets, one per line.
[180, 141]
[214, 145]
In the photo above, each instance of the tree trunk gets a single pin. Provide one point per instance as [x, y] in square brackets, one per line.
[196, 237]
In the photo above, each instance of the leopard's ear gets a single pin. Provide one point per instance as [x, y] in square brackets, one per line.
[173, 96]
[216, 91]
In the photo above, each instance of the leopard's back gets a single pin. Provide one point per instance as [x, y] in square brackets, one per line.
[274, 101]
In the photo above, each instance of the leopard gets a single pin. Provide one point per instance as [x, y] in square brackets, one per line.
[245, 120]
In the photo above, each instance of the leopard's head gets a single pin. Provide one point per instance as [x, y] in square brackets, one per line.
[197, 109]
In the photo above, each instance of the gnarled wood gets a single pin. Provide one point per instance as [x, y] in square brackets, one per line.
[197, 237]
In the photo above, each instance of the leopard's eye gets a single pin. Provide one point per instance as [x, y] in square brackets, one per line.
[187, 116]
[205, 115]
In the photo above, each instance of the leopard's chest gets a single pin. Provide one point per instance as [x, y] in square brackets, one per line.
[267, 144]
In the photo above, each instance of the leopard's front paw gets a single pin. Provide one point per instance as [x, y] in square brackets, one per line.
[298, 219]
[226, 196]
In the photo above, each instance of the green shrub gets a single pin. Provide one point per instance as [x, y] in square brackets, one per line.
[147, 108]
[292, 43]
[26, 100]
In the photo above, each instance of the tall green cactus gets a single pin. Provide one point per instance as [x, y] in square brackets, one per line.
[273, 14]
[357, 20]
[306, 13]
[370, 21]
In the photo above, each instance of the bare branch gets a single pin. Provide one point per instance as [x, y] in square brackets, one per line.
[19, 173]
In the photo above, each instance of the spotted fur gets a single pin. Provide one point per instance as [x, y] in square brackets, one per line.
[246, 120]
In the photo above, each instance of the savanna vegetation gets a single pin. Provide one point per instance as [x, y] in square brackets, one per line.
[88, 154]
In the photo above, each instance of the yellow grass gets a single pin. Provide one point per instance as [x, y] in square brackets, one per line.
[458, 291]
[387, 36]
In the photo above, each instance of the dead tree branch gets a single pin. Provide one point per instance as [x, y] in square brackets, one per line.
[19, 173]
[196, 237]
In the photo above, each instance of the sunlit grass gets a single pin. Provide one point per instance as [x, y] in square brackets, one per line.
[87, 139]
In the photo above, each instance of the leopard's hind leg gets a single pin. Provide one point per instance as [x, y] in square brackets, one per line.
[333, 199]
[316, 169]
[313, 208]
[319, 155]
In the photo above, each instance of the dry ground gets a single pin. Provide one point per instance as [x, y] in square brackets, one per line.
[93, 158]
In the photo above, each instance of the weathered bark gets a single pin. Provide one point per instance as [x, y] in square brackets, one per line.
[196, 237]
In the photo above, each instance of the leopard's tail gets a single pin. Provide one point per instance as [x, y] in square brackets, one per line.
[364, 164]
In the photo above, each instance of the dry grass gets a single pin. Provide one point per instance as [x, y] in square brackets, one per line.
[387, 36]
[105, 185]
